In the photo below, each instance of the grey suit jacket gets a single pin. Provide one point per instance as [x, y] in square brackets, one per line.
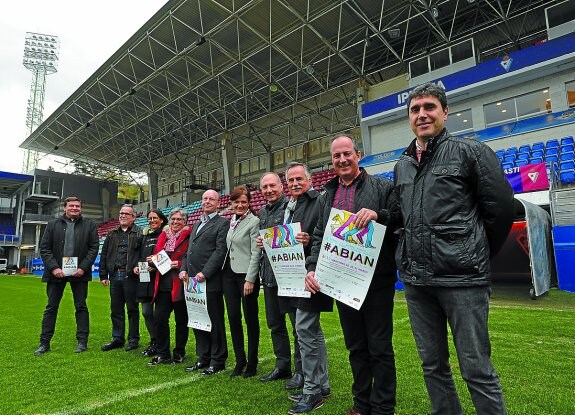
[242, 249]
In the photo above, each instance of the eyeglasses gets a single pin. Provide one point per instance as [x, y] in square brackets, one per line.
[126, 214]
[176, 219]
[153, 219]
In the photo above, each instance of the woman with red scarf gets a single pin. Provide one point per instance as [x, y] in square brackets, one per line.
[169, 291]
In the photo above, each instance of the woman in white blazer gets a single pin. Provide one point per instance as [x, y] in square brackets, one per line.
[241, 281]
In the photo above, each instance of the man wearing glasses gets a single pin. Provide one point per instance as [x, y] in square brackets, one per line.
[117, 260]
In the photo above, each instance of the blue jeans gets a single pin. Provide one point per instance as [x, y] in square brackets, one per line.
[466, 309]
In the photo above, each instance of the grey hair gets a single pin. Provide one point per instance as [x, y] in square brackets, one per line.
[428, 88]
[181, 212]
[127, 205]
[270, 173]
[293, 164]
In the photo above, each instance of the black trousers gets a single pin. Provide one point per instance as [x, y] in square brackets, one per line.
[212, 347]
[275, 317]
[164, 307]
[367, 333]
[123, 294]
[55, 291]
[148, 313]
[233, 285]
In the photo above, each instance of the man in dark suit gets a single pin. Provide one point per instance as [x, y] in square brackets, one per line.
[204, 260]
[71, 235]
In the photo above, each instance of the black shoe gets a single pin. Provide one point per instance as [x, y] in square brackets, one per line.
[178, 358]
[114, 344]
[276, 374]
[238, 369]
[212, 370]
[296, 382]
[82, 347]
[296, 397]
[251, 371]
[307, 404]
[158, 360]
[196, 366]
[43, 348]
[150, 350]
[131, 346]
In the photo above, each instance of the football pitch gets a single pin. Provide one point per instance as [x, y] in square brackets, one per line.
[533, 351]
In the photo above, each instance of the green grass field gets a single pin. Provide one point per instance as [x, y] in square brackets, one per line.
[533, 351]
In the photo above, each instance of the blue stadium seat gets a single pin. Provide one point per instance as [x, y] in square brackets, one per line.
[567, 140]
[500, 153]
[552, 143]
[552, 158]
[565, 148]
[509, 158]
[552, 151]
[535, 160]
[525, 148]
[521, 162]
[567, 176]
[537, 153]
[566, 156]
[522, 156]
[507, 165]
[537, 146]
[511, 150]
[566, 165]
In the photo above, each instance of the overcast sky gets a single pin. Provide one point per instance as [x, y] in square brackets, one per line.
[89, 33]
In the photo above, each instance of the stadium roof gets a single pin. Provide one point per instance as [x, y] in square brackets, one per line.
[11, 182]
[267, 74]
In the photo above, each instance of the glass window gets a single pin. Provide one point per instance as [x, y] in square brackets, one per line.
[245, 167]
[499, 112]
[278, 158]
[263, 162]
[419, 67]
[254, 165]
[459, 121]
[561, 13]
[570, 87]
[529, 105]
[299, 151]
[462, 51]
[439, 59]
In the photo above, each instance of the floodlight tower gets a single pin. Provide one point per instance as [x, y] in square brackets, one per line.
[40, 57]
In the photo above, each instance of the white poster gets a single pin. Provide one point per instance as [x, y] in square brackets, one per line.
[144, 273]
[348, 257]
[286, 258]
[69, 265]
[162, 261]
[195, 294]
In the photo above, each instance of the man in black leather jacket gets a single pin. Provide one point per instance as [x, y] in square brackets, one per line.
[457, 209]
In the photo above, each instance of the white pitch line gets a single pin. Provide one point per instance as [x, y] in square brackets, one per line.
[121, 396]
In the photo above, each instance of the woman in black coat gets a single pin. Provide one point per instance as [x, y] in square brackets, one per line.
[156, 221]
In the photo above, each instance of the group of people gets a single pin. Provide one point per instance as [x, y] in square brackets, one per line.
[448, 211]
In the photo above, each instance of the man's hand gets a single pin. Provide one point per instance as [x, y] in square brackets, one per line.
[136, 270]
[175, 265]
[303, 238]
[311, 283]
[363, 217]
[183, 275]
[79, 273]
[105, 283]
[58, 273]
[200, 277]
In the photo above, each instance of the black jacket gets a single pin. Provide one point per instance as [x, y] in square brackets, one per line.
[270, 216]
[110, 249]
[145, 291]
[306, 212]
[373, 193]
[86, 246]
[457, 209]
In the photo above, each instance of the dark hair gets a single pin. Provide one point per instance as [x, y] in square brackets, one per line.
[239, 191]
[428, 89]
[72, 199]
[160, 214]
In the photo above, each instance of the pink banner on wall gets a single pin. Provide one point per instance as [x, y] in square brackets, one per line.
[529, 178]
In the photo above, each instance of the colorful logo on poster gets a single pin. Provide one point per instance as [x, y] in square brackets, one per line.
[192, 285]
[529, 178]
[280, 236]
[344, 228]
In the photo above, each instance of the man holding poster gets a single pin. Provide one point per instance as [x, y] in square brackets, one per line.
[204, 260]
[367, 331]
[71, 235]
